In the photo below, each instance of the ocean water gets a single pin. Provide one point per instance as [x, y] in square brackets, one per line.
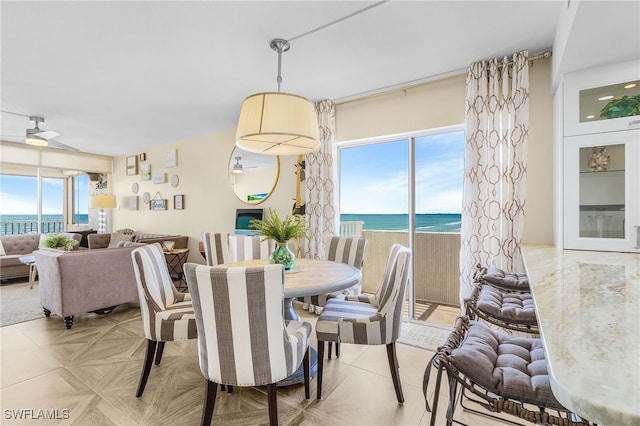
[440, 222]
[25, 223]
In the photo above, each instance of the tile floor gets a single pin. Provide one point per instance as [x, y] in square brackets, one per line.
[89, 375]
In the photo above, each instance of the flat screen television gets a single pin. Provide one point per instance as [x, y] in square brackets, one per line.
[244, 217]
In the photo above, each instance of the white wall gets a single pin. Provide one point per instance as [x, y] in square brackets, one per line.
[209, 201]
[441, 103]
[203, 162]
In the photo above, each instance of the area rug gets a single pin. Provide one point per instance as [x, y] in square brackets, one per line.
[423, 336]
[19, 303]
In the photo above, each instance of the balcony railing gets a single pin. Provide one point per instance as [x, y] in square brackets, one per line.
[436, 258]
[11, 227]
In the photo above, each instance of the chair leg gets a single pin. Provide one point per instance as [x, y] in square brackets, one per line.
[320, 362]
[273, 404]
[146, 368]
[230, 389]
[393, 366]
[209, 403]
[306, 362]
[330, 350]
[337, 349]
[159, 352]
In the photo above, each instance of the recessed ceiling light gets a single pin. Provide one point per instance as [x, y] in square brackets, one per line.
[605, 98]
[630, 86]
[591, 116]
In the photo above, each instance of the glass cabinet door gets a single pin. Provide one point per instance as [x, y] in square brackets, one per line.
[603, 99]
[602, 191]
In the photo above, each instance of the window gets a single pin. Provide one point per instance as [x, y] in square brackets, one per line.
[80, 199]
[411, 183]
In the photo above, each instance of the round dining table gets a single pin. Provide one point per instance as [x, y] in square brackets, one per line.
[309, 277]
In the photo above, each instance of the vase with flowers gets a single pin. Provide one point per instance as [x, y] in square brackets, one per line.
[274, 228]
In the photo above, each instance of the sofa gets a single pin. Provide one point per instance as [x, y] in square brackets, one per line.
[100, 241]
[13, 247]
[83, 281]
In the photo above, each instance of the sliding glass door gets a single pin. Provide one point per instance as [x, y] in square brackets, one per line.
[408, 190]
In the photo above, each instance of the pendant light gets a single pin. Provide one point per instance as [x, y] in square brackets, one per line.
[278, 123]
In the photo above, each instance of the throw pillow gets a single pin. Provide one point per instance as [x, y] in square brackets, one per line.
[2, 252]
[125, 231]
[116, 237]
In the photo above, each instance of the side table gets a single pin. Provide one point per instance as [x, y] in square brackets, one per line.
[175, 259]
[33, 271]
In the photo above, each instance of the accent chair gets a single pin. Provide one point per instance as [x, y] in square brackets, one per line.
[374, 323]
[167, 314]
[243, 338]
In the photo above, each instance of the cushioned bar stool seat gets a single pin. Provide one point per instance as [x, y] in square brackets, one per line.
[511, 311]
[502, 373]
[506, 281]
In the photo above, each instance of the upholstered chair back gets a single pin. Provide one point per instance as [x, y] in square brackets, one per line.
[391, 294]
[349, 250]
[156, 291]
[216, 248]
[242, 336]
[249, 247]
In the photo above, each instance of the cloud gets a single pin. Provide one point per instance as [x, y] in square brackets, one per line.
[16, 204]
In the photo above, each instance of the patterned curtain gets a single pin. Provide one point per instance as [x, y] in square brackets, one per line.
[320, 182]
[495, 164]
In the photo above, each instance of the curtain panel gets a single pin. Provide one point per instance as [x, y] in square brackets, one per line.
[320, 185]
[496, 132]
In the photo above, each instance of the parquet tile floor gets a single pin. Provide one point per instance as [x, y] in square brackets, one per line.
[93, 369]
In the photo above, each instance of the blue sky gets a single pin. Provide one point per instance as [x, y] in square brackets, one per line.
[19, 195]
[374, 178]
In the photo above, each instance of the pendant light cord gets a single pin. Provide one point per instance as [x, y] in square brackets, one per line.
[351, 15]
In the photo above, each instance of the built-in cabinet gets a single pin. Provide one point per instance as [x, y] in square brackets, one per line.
[601, 208]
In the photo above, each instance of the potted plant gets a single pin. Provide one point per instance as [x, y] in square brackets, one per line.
[60, 242]
[626, 106]
[274, 228]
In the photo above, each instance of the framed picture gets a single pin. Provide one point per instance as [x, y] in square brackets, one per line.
[133, 202]
[171, 158]
[158, 204]
[178, 202]
[145, 171]
[160, 178]
[132, 165]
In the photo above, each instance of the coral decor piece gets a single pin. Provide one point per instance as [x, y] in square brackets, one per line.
[599, 159]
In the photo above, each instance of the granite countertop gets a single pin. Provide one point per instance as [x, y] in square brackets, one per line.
[589, 315]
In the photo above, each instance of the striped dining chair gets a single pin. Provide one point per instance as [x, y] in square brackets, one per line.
[349, 250]
[243, 338]
[374, 323]
[249, 247]
[167, 314]
[223, 248]
[216, 248]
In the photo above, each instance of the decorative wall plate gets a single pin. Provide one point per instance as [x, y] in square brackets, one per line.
[146, 197]
[174, 180]
[134, 187]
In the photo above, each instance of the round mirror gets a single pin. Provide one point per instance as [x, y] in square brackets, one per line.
[252, 176]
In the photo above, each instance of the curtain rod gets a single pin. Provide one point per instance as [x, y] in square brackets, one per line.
[412, 84]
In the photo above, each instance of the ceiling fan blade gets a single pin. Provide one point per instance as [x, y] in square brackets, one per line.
[56, 144]
[48, 134]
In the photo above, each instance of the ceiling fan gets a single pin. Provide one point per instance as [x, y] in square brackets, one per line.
[39, 137]
[239, 168]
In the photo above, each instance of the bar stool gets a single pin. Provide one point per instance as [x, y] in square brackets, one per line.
[500, 373]
[511, 282]
[510, 311]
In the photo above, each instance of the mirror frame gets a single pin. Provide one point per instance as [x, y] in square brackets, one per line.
[273, 187]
